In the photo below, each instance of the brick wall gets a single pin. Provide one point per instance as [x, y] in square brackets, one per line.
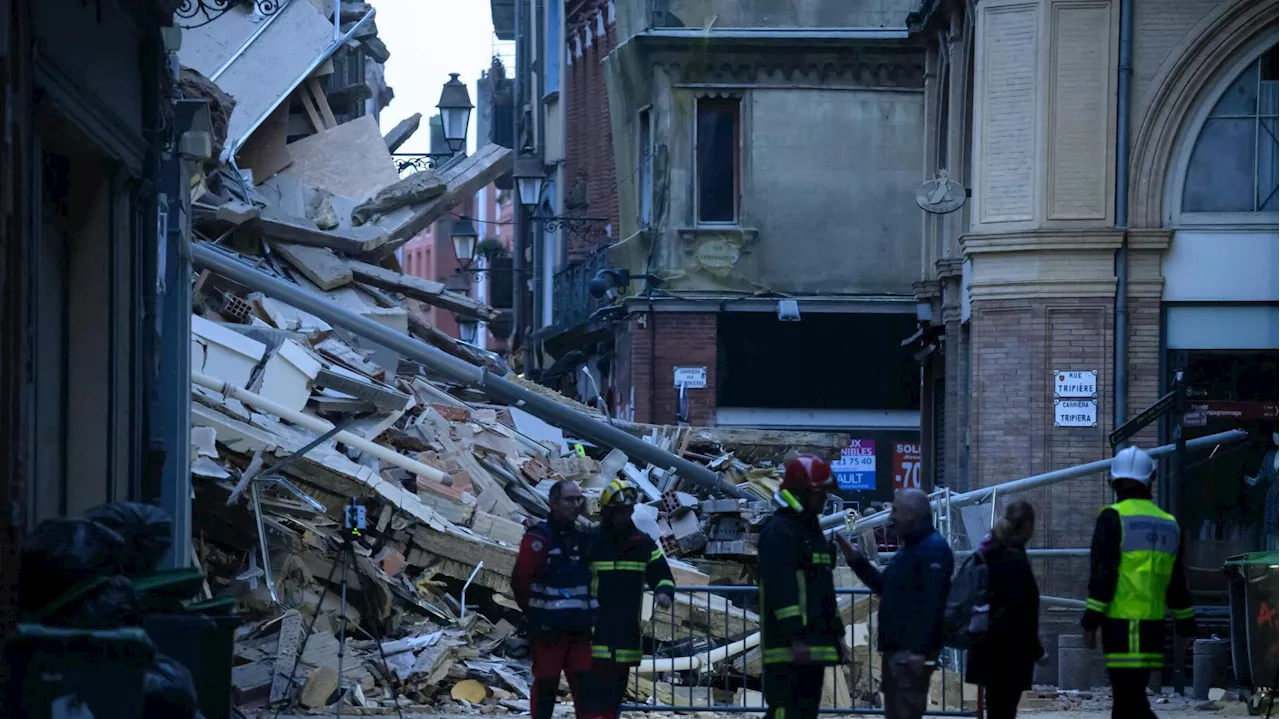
[683, 339]
[1016, 346]
[588, 136]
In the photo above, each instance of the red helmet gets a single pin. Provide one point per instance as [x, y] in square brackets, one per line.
[805, 473]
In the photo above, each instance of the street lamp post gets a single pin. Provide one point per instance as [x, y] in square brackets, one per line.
[464, 239]
[455, 112]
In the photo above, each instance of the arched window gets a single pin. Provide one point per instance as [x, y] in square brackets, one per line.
[1233, 163]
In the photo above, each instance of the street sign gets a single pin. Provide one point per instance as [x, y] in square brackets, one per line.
[906, 465]
[856, 468]
[1149, 415]
[1075, 384]
[691, 377]
[1075, 413]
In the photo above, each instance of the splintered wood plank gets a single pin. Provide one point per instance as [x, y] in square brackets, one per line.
[286, 655]
[463, 179]
[304, 99]
[432, 293]
[317, 94]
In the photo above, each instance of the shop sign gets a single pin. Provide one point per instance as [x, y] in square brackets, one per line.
[717, 257]
[1075, 384]
[856, 468]
[691, 377]
[1075, 413]
[906, 465]
[1238, 411]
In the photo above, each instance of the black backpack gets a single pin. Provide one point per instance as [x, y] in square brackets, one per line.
[967, 617]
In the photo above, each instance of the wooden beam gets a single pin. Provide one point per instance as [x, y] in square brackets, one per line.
[317, 93]
[463, 179]
[276, 224]
[304, 98]
[432, 293]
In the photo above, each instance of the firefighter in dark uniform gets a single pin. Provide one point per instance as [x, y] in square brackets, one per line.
[800, 623]
[1136, 573]
[623, 562]
[552, 585]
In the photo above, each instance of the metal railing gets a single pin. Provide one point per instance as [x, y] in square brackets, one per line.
[572, 303]
[705, 654]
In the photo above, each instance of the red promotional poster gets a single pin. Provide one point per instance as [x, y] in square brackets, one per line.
[906, 465]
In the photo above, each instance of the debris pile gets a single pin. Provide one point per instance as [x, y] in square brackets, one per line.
[293, 419]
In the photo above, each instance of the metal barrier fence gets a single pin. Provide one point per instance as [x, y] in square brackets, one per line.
[708, 658]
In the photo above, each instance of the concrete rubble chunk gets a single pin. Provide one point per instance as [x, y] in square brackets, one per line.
[321, 684]
[403, 131]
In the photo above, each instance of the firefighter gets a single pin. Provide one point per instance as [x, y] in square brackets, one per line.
[624, 561]
[552, 585]
[1135, 574]
[800, 625]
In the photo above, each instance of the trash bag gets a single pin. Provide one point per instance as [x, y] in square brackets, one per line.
[147, 532]
[168, 690]
[63, 552]
[112, 604]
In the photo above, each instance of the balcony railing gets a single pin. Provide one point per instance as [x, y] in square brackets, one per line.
[572, 304]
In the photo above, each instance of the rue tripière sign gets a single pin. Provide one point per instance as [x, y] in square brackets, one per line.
[1075, 398]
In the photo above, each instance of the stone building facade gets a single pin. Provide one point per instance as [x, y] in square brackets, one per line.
[1048, 268]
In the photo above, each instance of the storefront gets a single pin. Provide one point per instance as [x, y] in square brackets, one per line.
[1220, 322]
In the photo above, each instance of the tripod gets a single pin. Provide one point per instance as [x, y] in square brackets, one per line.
[355, 525]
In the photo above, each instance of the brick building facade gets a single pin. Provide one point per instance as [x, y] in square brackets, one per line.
[1049, 268]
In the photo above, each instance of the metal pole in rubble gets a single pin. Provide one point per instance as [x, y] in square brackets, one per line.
[461, 371]
[979, 496]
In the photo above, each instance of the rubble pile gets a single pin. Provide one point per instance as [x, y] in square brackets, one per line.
[293, 420]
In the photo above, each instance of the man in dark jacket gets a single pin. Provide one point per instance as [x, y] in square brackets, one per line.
[552, 585]
[913, 597]
[623, 562]
[1135, 576]
[800, 623]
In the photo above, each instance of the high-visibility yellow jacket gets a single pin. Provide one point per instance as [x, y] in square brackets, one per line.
[1136, 577]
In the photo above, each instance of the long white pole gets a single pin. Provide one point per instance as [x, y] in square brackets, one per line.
[979, 496]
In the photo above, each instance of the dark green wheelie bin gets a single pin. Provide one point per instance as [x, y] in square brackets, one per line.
[55, 669]
[1253, 581]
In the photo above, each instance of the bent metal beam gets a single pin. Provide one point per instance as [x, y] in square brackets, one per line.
[460, 371]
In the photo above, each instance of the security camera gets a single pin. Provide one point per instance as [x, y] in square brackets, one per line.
[606, 283]
[601, 286]
[788, 311]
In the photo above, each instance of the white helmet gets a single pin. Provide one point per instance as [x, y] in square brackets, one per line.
[1133, 463]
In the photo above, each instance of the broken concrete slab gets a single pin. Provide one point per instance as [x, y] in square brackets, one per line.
[223, 353]
[320, 210]
[287, 376]
[351, 159]
[258, 74]
[402, 131]
[318, 264]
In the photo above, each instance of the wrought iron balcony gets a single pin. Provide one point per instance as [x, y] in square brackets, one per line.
[572, 304]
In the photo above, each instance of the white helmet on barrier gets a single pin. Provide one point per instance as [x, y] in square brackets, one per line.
[1133, 463]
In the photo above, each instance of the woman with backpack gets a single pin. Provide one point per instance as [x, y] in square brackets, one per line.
[1003, 659]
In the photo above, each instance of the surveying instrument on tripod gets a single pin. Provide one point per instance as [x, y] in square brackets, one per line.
[354, 523]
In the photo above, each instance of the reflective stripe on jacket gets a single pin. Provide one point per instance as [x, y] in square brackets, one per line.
[620, 571]
[1148, 546]
[1135, 574]
[797, 587]
[560, 598]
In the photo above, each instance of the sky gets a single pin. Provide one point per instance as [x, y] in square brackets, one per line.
[429, 39]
